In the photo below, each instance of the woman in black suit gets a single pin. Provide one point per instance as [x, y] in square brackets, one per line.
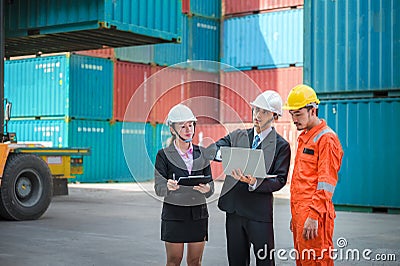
[184, 214]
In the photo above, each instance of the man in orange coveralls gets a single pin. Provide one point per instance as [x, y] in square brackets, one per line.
[318, 159]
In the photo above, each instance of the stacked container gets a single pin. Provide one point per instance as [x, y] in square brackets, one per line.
[353, 64]
[67, 101]
[42, 26]
[262, 49]
[149, 80]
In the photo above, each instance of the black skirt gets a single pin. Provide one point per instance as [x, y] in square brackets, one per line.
[185, 231]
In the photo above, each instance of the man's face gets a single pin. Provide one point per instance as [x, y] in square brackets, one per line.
[262, 119]
[301, 117]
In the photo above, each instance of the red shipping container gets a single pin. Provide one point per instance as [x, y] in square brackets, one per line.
[169, 87]
[207, 134]
[231, 7]
[198, 90]
[185, 6]
[204, 96]
[235, 102]
[103, 53]
[290, 133]
[128, 78]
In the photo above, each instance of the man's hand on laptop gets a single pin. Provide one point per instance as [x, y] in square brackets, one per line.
[238, 175]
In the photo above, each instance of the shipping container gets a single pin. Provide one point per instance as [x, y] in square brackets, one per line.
[102, 53]
[75, 133]
[141, 54]
[201, 8]
[352, 46]
[367, 129]
[238, 91]
[133, 154]
[170, 86]
[55, 26]
[203, 96]
[60, 86]
[234, 7]
[290, 133]
[109, 154]
[267, 40]
[130, 81]
[200, 41]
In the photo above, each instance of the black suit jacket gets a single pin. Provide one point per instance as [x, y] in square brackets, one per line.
[236, 197]
[184, 203]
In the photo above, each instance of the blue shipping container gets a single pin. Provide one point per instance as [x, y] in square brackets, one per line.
[368, 130]
[200, 41]
[267, 40]
[133, 152]
[107, 159]
[57, 16]
[75, 133]
[60, 86]
[201, 8]
[352, 45]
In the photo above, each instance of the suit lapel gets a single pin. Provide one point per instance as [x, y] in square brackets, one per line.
[174, 158]
[268, 145]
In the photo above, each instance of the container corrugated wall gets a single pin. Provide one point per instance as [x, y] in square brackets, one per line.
[352, 45]
[266, 40]
[198, 90]
[60, 86]
[106, 161]
[97, 136]
[203, 96]
[143, 54]
[367, 129]
[200, 41]
[103, 53]
[133, 152]
[201, 8]
[128, 77]
[75, 133]
[59, 16]
[240, 95]
[232, 7]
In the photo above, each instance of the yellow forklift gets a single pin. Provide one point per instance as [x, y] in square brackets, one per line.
[30, 174]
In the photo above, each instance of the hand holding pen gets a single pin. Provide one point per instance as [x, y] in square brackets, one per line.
[172, 184]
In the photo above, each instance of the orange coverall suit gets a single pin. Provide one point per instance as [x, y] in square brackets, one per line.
[318, 159]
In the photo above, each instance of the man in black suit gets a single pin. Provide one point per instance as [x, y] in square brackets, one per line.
[248, 201]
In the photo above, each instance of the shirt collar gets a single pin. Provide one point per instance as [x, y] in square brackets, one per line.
[306, 135]
[263, 134]
[188, 152]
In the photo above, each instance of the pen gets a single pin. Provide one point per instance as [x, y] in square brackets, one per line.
[173, 176]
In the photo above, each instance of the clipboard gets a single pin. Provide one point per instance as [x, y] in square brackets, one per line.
[194, 180]
[251, 162]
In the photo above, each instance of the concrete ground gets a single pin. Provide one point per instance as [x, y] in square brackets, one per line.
[119, 224]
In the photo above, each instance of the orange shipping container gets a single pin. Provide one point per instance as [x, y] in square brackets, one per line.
[231, 7]
[235, 102]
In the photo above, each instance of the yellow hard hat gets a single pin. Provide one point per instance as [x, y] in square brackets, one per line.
[301, 96]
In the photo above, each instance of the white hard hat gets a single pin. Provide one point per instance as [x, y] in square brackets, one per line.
[180, 113]
[270, 101]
